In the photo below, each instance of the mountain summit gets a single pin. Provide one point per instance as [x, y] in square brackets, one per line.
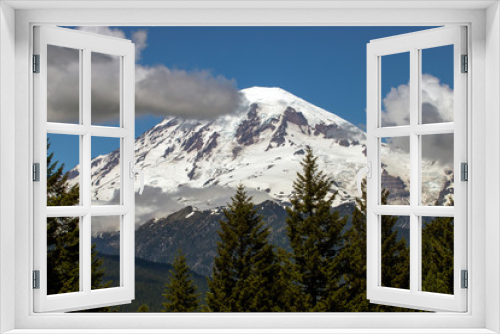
[260, 146]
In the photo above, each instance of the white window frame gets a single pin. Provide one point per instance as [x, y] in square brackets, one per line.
[86, 43]
[414, 43]
[482, 18]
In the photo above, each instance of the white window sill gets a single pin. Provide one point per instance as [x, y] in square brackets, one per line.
[252, 331]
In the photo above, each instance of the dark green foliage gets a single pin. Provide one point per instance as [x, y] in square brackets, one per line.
[180, 292]
[352, 261]
[246, 274]
[62, 233]
[143, 308]
[395, 254]
[58, 191]
[437, 256]
[150, 278]
[315, 231]
[98, 272]
[159, 239]
[288, 301]
[63, 261]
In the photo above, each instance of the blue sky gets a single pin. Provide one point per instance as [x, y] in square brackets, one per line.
[323, 65]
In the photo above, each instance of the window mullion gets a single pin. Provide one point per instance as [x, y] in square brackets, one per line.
[433, 129]
[415, 256]
[85, 228]
[406, 210]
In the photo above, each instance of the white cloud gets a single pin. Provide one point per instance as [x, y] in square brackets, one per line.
[397, 106]
[437, 103]
[139, 38]
[62, 84]
[154, 203]
[113, 32]
[199, 94]
[159, 90]
[437, 107]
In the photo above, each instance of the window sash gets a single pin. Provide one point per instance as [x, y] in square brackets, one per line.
[414, 297]
[87, 43]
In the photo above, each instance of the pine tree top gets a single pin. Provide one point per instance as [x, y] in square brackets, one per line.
[180, 291]
[312, 188]
[59, 193]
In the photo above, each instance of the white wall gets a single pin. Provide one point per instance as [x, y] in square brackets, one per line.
[492, 150]
[7, 160]
[485, 154]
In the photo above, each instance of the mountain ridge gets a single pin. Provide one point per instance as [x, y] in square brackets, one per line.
[261, 145]
[195, 232]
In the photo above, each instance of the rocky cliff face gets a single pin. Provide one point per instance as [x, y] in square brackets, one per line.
[192, 168]
[260, 146]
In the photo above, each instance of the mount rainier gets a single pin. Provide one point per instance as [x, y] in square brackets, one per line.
[199, 163]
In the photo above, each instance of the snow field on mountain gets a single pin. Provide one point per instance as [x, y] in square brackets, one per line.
[260, 147]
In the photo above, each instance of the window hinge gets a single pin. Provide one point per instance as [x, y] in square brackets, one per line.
[36, 279]
[465, 64]
[36, 172]
[464, 171]
[36, 63]
[465, 279]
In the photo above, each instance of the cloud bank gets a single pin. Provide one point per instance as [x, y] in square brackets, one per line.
[155, 203]
[437, 107]
[160, 91]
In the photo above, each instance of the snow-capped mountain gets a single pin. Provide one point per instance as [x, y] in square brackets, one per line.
[260, 146]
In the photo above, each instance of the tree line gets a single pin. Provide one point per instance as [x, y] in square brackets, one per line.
[325, 271]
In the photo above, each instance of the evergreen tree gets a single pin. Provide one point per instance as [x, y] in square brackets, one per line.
[269, 286]
[63, 237]
[286, 299]
[351, 297]
[63, 261]
[143, 308]
[437, 255]
[180, 291]
[395, 254]
[246, 275]
[314, 231]
[352, 259]
[62, 233]
[58, 191]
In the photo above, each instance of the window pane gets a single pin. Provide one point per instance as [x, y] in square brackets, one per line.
[106, 263]
[395, 234]
[63, 170]
[395, 77]
[105, 89]
[437, 85]
[106, 171]
[63, 85]
[437, 169]
[395, 170]
[63, 255]
[437, 254]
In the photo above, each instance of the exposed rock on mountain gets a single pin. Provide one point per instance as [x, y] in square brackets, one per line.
[194, 166]
[261, 147]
